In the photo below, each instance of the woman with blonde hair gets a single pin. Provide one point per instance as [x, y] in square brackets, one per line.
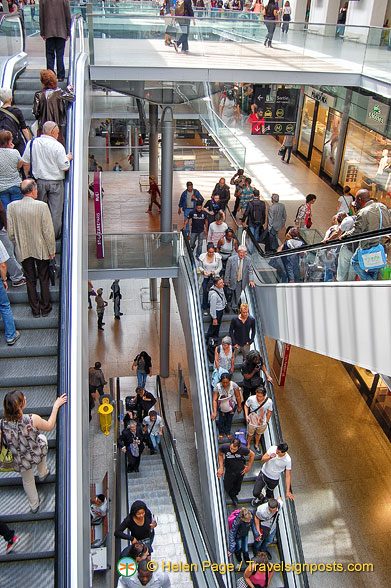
[51, 102]
[28, 447]
[240, 526]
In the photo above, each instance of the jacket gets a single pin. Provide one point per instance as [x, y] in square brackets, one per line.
[238, 530]
[276, 217]
[224, 194]
[368, 219]
[50, 105]
[231, 271]
[182, 200]
[250, 213]
[127, 437]
[30, 228]
[54, 18]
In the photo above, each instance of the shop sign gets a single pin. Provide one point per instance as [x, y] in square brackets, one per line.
[377, 115]
[100, 251]
[321, 97]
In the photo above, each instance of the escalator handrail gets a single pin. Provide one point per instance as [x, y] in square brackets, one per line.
[167, 435]
[63, 507]
[15, 16]
[290, 504]
[318, 246]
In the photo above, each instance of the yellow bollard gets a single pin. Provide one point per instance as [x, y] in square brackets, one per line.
[104, 411]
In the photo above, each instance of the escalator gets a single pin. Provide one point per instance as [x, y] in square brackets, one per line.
[311, 312]
[287, 547]
[180, 538]
[37, 365]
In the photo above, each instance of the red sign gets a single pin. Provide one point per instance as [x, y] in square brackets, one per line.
[98, 215]
[286, 349]
[280, 361]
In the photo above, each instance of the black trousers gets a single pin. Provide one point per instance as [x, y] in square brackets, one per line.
[32, 267]
[133, 462]
[233, 483]
[55, 47]
[261, 482]
[7, 533]
[214, 330]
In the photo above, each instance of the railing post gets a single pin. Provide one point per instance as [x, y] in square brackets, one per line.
[90, 25]
[153, 141]
[153, 289]
[165, 328]
[167, 126]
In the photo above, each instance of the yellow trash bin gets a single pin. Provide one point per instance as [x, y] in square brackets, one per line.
[104, 411]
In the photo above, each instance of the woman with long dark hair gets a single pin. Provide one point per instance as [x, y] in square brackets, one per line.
[270, 13]
[28, 447]
[143, 364]
[140, 523]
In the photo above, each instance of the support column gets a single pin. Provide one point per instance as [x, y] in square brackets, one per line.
[167, 126]
[153, 289]
[153, 141]
[136, 164]
[299, 8]
[341, 136]
[165, 328]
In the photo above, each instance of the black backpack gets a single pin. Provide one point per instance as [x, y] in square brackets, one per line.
[257, 212]
[9, 122]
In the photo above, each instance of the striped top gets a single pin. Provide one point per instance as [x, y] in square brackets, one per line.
[30, 228]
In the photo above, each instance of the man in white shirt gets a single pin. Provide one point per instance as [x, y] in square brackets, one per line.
[153, 425]
[275, 461]
[258, 409]
[47, 161]
[265, 520]
[145, 577]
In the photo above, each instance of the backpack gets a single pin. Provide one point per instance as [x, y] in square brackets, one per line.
[9, 122]
[241, 435]
[213, 342]
[232, 517]
[180, 8]
[257, 212]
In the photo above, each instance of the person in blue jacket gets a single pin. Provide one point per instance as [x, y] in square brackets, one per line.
[188, 201]
[238, 534]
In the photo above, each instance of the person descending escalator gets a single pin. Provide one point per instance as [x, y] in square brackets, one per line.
[140, 524]
[240, 522]
[131, 442]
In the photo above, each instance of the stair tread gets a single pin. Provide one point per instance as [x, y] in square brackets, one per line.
[32, 342]
[51, 463]
[36, 396]
[13, 500]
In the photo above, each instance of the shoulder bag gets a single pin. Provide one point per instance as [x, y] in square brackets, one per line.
[374, 257]
[6, 457]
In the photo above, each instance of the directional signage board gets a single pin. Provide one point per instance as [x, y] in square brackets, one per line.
[276, 111]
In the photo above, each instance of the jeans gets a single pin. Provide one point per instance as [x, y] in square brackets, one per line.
[13, 267]
[224, 422]
[155, 440]
[255, 232]
[345, 271]
[55, 47]
[362, 274]
[184, 38]
[10, 195]
[267, 539]
[117, 304]
[271, 27]
[242, 544]
[285, 26]
[186, 212]
[29, 482]
[196, 238]
[205, 302]
[141, 379]
[6, 314]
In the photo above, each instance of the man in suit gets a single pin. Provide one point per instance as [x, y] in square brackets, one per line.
[55, 26]
[239, 274]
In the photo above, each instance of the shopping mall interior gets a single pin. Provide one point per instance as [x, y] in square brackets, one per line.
[144, 110]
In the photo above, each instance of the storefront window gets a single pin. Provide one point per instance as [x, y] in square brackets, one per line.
[306, 126]
[331, 142]
[366, 162]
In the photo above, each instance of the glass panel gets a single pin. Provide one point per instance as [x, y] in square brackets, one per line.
[329, 264]
[135, 251]
[306, 125]
[11, 38]
[331, 142]
[366, 161]
[319, 137]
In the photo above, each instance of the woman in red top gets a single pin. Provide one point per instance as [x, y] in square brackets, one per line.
[154, 192]
[260, 572]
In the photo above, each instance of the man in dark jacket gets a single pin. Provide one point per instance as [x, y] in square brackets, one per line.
[222, 190]
[255, 215]
[55, 26]
[184, 23]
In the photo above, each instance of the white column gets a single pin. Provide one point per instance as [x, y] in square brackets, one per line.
[368, 13]
[298, 9]
[324, 11]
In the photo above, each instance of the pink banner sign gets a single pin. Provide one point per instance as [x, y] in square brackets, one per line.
[100, 250]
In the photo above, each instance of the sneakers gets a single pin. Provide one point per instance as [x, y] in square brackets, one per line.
[35, 510]
[19, 283]
[13, 341]
[11, 544]
[234, 499]
[257, 449]
[255, 502]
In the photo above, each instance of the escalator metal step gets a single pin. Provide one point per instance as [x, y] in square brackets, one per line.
[37, 398]
[13, 501]
[32, 343]
[15, 478]
[34, 538]
[40, 573]
[29, 371]
[19, 294]
[24, 319]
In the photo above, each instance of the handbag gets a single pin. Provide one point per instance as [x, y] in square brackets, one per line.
[281, 151]
[6, 457]
[374, 257]
[134, 449]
